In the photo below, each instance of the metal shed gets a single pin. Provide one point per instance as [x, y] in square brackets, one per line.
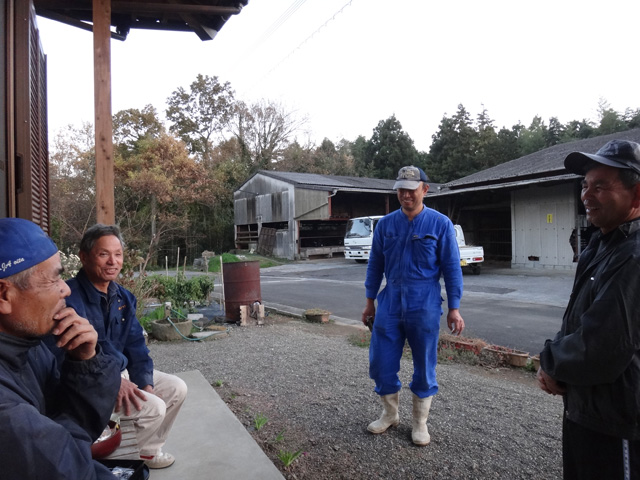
[300, 215]
[525, 211]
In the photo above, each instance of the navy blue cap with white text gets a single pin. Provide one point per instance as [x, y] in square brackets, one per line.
[23, 244]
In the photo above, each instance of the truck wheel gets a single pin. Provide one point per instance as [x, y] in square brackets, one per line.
[475, 269]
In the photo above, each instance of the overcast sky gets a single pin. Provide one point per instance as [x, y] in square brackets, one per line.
[346, 65]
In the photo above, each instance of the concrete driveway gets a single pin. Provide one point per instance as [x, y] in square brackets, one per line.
[516, 308]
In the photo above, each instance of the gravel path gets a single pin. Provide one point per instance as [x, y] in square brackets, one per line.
[311, 384]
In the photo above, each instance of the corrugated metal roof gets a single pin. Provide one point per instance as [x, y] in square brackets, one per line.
[539, 164]
[316, 181]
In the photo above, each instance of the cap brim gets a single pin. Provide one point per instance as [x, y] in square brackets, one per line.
[579, 163]
[406, 184]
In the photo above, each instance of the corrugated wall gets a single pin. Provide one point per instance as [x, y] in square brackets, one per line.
[311, 204]
[542, 221]
[262, 197]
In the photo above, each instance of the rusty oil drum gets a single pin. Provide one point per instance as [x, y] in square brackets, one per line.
[241, 287]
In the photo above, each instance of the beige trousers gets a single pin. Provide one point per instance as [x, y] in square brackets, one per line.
[154, 421]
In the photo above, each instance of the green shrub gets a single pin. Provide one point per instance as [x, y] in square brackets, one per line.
[181, 291]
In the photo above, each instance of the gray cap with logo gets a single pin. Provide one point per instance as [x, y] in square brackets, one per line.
[409, 178]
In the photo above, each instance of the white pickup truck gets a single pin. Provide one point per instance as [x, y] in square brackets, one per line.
[359, 235]
[470, 255]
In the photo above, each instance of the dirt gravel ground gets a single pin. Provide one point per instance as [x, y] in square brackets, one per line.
[311, 386]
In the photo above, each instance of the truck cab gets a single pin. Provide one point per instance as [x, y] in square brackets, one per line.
[359, 237]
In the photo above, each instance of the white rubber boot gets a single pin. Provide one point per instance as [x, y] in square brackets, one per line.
[390, 417]
[420, 433]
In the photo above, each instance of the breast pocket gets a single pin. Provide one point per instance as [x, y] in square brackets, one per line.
[389, 242]
[424, 249]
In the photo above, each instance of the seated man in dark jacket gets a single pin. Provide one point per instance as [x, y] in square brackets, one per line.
[49, 419]
[594, 360]
[152, 399]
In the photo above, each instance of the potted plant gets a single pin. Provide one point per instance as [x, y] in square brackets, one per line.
[317, 315]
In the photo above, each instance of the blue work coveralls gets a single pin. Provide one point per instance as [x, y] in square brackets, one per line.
[412, 255]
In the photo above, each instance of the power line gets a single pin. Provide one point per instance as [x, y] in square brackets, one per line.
[274, 26]
[292, 52]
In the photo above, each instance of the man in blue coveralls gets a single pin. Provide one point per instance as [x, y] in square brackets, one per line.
[412, 247]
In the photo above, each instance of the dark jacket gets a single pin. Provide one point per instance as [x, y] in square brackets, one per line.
[49, 419]
[596, 354]
[120, 333]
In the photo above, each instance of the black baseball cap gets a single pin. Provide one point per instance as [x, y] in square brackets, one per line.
[616, 153]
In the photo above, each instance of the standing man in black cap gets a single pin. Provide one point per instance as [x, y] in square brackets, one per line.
[49, 420]
[594, 360]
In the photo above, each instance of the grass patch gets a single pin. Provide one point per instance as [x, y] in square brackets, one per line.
[456, 355]
[260, 421]
[265, 262]
[287, 457]
[361, 339]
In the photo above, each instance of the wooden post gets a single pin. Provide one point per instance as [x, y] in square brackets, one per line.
[105, 203]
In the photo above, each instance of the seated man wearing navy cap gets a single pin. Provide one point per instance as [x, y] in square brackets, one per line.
[594, 360]
[49, 420]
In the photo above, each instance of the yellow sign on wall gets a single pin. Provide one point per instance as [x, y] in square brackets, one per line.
[549, 217]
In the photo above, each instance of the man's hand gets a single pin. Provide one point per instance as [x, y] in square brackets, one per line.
[369, 311]
[75, 334]
[549, 384]
[130, 395]
[455, 323]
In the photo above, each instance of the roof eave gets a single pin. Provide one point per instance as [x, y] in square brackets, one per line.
[512, 184]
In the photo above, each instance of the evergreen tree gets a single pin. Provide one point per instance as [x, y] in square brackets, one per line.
[389, 149]
[452, 152]
[533, 138]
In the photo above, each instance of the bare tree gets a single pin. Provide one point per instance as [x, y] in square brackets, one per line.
[264, 130]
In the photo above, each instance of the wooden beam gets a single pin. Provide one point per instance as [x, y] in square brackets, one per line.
[105, 203]
[119, 7]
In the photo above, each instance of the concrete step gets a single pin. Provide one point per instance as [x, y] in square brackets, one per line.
[208, 440]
